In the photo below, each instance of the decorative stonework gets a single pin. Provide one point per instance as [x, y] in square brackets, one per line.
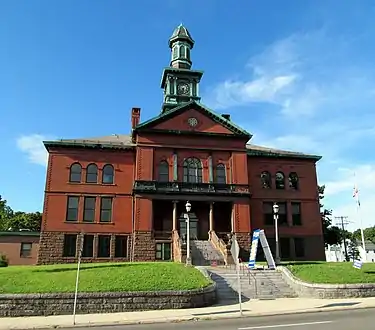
[327, 291]
[243, 240]
[14, 305]
[144, 246]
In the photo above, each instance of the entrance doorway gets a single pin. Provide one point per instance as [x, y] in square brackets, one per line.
[194, 226]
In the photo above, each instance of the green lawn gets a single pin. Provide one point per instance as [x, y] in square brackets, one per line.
[109, 277]
[332, 272]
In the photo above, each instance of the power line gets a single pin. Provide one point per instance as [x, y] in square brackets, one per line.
[343, 221]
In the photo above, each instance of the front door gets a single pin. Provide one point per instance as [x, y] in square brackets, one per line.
[193, 220]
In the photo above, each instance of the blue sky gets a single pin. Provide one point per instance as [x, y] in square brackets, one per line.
[297, 74]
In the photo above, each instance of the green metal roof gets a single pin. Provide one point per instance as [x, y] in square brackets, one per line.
[196, 106]
[181, 33]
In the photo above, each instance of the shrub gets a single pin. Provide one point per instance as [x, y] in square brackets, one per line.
[3, 260]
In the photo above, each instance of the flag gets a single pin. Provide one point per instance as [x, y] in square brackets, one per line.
[356, 195]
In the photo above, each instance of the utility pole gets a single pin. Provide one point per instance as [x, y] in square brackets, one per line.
[343, 221]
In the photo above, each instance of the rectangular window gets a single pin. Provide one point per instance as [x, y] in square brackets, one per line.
[283, 216]
[296, 214]
[26, 250]
[163, 251]
[121, 246]
[268, 213]
[106, 209]
[88, 246]
[104, 246]
[70, 245]
[285, 247]
[89, 209]
[299, 247]
[72, 208]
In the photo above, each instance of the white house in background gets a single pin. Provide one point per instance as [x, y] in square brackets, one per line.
[336, 253]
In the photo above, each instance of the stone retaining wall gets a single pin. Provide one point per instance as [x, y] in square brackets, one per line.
[88, 303]
[327, 291]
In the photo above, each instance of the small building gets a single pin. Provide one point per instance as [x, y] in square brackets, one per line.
[20, 247]
[126, 193]
[336, 253]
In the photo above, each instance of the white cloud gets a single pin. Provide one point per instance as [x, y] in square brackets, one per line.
[32, 146]
[322, 94]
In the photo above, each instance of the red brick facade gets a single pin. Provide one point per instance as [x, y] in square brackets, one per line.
[152, 180]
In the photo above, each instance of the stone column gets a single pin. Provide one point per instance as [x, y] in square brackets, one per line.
[211, 216]
[174, 221]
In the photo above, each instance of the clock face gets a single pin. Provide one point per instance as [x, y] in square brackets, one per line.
[183, 89]
[192, 122]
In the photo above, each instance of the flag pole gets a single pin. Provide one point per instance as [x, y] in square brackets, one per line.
[359, 217]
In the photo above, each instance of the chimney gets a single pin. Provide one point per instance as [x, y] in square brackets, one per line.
[226, 116]
[136, 116]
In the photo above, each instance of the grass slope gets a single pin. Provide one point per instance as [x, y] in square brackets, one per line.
[332, 272]
[107, 277]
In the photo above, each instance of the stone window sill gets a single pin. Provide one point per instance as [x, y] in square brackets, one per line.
[92, 183]
[89, 223]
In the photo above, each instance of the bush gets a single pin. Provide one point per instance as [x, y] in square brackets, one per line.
[3, 260]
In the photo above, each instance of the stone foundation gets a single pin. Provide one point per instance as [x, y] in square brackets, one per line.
[51, 247]
[144, 246]
[243, 240]
[13, 305]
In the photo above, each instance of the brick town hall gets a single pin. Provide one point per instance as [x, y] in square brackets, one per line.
[125, 195]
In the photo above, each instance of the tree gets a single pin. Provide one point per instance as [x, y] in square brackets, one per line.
[5, 214]
[369, 234]
[15, 221]
[332, 234]
[353, 251]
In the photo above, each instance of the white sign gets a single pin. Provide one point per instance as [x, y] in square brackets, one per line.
[357, 264]
[266, 250]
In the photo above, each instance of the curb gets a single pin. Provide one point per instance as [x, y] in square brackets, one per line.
[194, 318]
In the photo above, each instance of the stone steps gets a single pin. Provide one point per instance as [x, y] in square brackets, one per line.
[203, 253]
[265, 284]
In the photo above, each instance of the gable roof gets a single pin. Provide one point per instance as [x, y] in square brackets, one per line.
[199, 107]
[122, 141]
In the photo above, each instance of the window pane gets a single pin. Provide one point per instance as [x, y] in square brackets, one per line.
[73, 202]
[268, 207]
[158, 255]
[89, 216]
[104, 246]
[296, 208]
[106, 203]
[88, 246]
[282, 208]
[92, 174]
[108, 173]
[121, 246]
[167, 251]
[26, 250]
[70, 243]
[75, 173]
[105, 216]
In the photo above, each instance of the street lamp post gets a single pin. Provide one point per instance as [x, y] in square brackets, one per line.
[276, 219]
[188, 208]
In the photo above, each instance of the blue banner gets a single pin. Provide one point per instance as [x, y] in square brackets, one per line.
[254, 248]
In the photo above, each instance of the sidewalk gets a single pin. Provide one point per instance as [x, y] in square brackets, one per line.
[250, 308]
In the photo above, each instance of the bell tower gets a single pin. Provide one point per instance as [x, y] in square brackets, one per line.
[179, 82]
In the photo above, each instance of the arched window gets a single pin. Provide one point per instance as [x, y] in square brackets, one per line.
[221, 174]
[163, 171]
[192, 170]
[265, 179]
[175, 52]
[182, 51]
[293, 180]
[280, 180]
[92, 174]
[75, 173]
[108, 174]
[188, 53]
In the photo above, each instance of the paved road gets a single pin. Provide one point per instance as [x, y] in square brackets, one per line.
[341, 320]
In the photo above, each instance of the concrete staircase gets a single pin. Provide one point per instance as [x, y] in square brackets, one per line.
[203, 253]
[255, 284]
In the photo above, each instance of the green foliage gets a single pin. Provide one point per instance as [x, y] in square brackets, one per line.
[333, 272]
[106, 277]
[3, 260]
[369, 234]
[332, 234]
[15, 221]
